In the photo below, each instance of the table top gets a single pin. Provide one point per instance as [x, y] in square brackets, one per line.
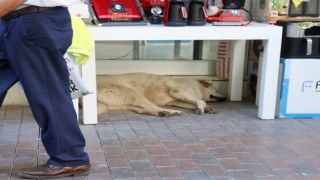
[207, 32]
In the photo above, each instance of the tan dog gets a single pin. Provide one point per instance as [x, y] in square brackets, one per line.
[146, 93]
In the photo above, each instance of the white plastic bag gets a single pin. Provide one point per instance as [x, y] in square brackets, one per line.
[77, 85]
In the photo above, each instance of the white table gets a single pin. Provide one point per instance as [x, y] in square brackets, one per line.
[271, 36]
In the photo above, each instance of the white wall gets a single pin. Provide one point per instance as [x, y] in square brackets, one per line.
[15, 96]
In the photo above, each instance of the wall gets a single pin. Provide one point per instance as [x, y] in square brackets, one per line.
[15, 96]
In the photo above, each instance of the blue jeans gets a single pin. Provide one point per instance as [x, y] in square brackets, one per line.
[32, 49]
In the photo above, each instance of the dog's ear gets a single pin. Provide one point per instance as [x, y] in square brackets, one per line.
[204, 83]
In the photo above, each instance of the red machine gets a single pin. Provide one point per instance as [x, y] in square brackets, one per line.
[153, 10]
[117, 12]
[148, 4]
[231, 11]
[231, 15]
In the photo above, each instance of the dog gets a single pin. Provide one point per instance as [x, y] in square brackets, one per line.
[148, 94]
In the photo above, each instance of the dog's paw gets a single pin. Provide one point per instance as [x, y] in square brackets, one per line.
[167, 113]
[210, 110]
[199, 111]
[176, 113]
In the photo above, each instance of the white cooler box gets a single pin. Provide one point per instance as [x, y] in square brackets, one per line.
[299, 89]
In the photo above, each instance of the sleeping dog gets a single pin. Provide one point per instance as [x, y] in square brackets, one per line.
[149, 93]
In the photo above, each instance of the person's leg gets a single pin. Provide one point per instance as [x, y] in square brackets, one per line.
[7, 75]
[35, 46]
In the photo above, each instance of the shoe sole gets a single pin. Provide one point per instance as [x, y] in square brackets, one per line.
[71, 174]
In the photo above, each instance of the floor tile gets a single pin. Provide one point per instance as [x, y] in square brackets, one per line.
[233, 144]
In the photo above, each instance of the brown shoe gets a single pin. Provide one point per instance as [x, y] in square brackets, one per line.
[47, 171]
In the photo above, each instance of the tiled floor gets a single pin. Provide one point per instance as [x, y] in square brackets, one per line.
[232, 144]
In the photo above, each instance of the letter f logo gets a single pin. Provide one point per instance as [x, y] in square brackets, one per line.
[317, 84]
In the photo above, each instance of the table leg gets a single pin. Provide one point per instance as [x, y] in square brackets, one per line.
[269, 79]
[197, 49]
[76, 106]
[176, 49]
[136, 50]
[89, 104]
[238, 49]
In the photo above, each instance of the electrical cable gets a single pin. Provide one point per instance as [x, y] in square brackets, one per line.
[119, 57]
[250, 16]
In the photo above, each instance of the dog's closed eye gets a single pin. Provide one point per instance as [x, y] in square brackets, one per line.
[217, 98]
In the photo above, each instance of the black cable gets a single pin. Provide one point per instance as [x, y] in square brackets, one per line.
[247, 11]
[120, 57]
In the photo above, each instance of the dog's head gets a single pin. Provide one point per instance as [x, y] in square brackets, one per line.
[210, 93]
